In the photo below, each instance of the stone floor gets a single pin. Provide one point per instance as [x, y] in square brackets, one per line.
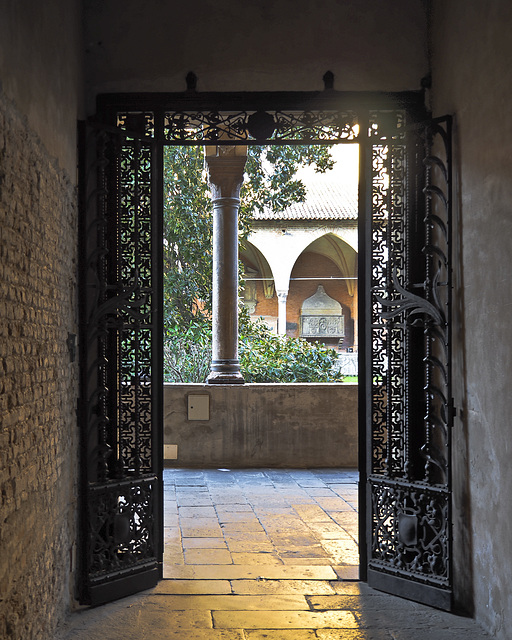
[263, 554]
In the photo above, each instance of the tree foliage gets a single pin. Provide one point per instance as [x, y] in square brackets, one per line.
[270, 182]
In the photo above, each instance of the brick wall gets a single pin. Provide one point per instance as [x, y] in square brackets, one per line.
[38, 383]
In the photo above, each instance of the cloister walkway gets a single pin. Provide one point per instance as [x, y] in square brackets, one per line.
[263, 554]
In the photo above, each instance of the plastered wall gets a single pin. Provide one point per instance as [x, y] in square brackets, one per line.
[263, 425]
[472, 61]
[266, 45]
[41, 55]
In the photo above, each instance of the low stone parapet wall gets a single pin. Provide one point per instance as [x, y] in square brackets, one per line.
[260, 425]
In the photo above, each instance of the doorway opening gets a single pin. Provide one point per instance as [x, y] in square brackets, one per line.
[404, 276]
[234, 518]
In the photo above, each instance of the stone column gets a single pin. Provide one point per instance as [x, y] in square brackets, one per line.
[281, 319]
[225, 166]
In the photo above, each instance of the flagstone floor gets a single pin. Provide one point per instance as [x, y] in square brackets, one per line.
[263, 554]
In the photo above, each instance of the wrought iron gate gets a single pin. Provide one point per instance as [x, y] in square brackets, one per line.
[409, 409]
[121, 385]
[405, 289]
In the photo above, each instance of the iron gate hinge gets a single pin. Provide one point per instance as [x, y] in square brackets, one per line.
[452, 410]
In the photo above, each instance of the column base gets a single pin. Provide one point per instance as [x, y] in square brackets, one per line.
[225, 372]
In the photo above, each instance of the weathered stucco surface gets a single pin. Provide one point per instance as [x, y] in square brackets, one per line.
[254, 46]
[41, 57]
[472, 60]
[264, 425]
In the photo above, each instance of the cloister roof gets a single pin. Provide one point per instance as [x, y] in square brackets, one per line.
[330, 196]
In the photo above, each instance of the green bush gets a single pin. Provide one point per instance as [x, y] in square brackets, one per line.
[187, 355]
[264, 356]
[267, 357]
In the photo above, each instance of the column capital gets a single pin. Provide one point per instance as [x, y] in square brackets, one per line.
[226, 171]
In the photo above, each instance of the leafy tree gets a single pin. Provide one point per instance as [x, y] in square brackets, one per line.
[270, 182]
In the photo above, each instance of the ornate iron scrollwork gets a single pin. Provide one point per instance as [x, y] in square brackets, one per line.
[118, 359]
[122, 534]
[244, 127]
[410, 345]
[410, 532]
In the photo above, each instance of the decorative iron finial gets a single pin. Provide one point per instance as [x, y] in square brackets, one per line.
[328, 80]
[191, 81]
[426, 82]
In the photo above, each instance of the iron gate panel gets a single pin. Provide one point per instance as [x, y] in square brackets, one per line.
[120, 405]
[409, 417]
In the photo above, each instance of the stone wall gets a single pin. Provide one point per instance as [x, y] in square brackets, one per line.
[38, 383]
[264, 425]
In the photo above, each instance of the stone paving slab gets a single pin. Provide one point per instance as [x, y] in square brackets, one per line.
[237, 572]
[185, 499]
[235, 516]
[259, 558]
[242, 526]
[288, 541]
[331, 503]
[302, 551]
[203, 543]
[353, 634]
[341, 551]
[274, 602]
[246, 546]
[284, 620]
[200, 528]
[312, 512]
[414, 619]
[325, 560]
[439, 634]
[347, 572]
[280, 634]
[329, 530]
[233, 508]
[207, 556]
[197, 512]
[200, 587]
[201, 634]
[302, 587]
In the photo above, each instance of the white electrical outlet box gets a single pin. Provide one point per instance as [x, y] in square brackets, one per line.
[199, 407]
[170, 451]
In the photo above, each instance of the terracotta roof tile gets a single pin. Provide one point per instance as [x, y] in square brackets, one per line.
[330, 196]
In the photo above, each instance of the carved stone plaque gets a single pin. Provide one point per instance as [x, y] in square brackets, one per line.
[322, 326]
